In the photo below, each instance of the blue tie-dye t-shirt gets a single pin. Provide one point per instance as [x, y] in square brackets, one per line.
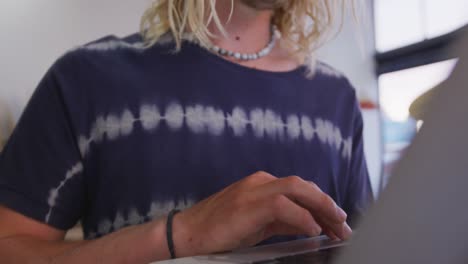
[117, 134]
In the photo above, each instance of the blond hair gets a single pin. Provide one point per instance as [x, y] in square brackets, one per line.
[304, 25]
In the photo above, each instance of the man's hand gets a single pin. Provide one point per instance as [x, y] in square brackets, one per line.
[241, 215]
[256, 208]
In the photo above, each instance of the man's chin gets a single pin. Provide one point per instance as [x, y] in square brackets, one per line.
[264, 4]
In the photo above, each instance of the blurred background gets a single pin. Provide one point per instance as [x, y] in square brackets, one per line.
[400, 51]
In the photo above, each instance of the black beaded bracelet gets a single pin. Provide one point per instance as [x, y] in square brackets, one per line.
[170, 242]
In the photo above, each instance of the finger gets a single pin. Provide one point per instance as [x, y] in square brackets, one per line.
[289, 213]
[326, 230]
[346, 232]
[330, 234]
[341, 231]
[326, 224]
[307, 194]
[312, 198]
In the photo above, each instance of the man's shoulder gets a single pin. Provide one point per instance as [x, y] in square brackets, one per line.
[327, 71]
[106, 59]
[108, 65]
[112, 43]
[332, 80]
[112, 50]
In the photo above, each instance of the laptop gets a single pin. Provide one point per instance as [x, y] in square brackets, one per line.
[317, 250]
[422, 215]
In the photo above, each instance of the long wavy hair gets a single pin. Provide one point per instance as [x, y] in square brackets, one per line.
[304, 25]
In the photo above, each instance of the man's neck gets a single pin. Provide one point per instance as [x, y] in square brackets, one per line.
[248, 29]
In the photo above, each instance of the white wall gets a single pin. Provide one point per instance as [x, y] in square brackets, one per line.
[36, 32]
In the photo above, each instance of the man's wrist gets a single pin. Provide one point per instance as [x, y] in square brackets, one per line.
[170, 242]
[156, 242]
[185, 242]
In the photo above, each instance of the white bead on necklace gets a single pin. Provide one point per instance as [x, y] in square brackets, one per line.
[247, 56]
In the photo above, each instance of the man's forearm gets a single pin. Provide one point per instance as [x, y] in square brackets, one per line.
[137, 244]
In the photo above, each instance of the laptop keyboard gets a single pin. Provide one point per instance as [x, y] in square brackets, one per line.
[324, 256]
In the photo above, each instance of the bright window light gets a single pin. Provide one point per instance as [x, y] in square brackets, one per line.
[400, 23]
[445, 16]
[399, 89]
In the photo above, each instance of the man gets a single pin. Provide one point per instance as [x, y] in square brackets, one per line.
[217, 113]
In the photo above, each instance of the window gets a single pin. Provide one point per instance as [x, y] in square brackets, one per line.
[397, 91]
[444, 16]
[398, 23]
[402, 22]
[412, 41]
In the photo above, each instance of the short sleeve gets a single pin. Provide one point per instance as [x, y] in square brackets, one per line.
[359, 194]
[40, 166]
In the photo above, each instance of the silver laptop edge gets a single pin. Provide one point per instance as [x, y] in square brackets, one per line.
[263, 253]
